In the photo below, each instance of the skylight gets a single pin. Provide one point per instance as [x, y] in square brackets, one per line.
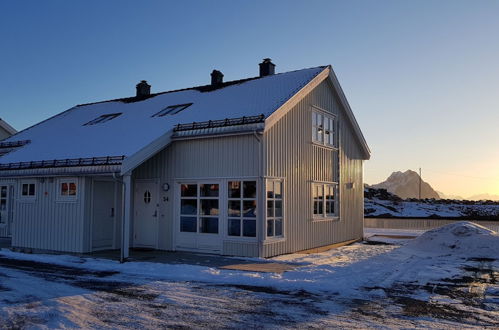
[172, 110]
[102, 119]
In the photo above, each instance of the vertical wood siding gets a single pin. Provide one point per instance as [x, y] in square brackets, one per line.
[233, 156]
[289, 153]
[47, 224]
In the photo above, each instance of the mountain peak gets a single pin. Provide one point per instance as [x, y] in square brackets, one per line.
[406, 185]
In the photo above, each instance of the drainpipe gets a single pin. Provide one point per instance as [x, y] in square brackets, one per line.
[125, 215]
[261, 201]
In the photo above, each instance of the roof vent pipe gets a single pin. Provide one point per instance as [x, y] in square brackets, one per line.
[143, 89]
[217, 78]
[267, 68]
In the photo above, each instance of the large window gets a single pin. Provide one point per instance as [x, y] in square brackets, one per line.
[274, 208]
[199, 208]
[325, 200]
[241, 208]
[323, 129]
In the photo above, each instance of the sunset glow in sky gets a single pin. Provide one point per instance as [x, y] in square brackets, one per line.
[421, 76]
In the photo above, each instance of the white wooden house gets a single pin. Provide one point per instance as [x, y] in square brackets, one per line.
[255, 167]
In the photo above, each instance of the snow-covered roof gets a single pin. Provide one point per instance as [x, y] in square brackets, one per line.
[66, 135]
[133, 126]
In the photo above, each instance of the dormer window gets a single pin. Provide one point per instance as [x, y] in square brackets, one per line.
[172, 110]
[102, 119]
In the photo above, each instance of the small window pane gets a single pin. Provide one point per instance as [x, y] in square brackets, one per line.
[4, 192]
[25, 189]
[209, 225]
[234, 227]
[270, 228]
[32, 189]
[72, 189]
[188, 224]
[208, 190]
[278, 208]
[317, 207]
[209, 207]
[278, 189]
[270, 208]
[234, 189]
[270, 189]
[188, 206]
[278, 227]
[249, 189]
[3, 205]
[249, 209]
[234, 208]
[188, 190]
[64, 189]
[249, 228]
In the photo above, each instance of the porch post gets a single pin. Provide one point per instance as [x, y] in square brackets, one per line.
[127, 213]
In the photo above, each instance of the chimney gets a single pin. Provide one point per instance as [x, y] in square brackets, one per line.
[267, 68]
[217, 78]
[143, 89]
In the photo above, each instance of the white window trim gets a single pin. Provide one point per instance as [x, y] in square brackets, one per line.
[27, 198]
[7, 201]
[62, 198]
[324, 216]
[324, 114]
[274, 239]
[241, 218]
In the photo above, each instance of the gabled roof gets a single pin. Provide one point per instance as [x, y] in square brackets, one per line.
[137, 134]
[9, 129]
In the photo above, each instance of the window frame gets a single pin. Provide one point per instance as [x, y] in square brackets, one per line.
[283, 215]
[27, 198]
[103, 118]
[241, 217]
[172, 110]
[67, 198]
[324, 216]
[198, 198]
[315, 111]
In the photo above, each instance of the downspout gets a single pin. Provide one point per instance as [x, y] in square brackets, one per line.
[123, 192]
[262, 193]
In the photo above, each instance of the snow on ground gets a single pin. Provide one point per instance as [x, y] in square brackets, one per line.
[375, 207]
[447, 277]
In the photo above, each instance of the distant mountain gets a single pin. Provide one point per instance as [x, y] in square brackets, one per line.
[406, 185]
[445, 196]
[482, 197]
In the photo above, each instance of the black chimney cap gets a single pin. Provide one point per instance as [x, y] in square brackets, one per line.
[217, 78]
[267, 68]
[143, 89]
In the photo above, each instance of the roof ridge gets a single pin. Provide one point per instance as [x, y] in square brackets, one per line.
[201, 88]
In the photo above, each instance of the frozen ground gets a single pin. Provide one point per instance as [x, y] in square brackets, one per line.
[445, 278]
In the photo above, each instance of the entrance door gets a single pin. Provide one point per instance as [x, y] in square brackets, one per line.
[199, 226]
[5, 211]
[103, 215]
[146, 214]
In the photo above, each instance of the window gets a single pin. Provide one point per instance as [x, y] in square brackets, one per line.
[241, 208]
[199, 208]
[102, 119]
[324, 197]
[3, 203]
[323, 129]
[28, 190]
[274, 208]
[67, 189]
[172, 110]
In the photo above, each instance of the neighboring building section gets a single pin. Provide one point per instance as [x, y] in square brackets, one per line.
[6, 130]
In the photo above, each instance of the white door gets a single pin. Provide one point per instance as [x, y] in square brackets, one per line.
[103, 220]
[199, 219]
[146, 214]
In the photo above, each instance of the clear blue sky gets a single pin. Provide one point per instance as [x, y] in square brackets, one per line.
[421, 76]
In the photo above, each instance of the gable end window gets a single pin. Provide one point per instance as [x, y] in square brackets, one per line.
[102, 119]
[172, 110]
[323, 129]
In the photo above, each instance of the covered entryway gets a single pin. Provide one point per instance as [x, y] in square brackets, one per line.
[103, 215]
[199, 219]
[6, 193]
[146, 217]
